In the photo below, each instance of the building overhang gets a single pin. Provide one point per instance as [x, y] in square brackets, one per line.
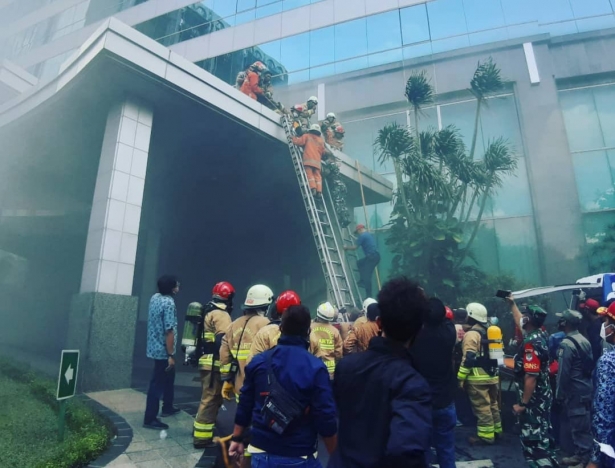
[118, 60]
[14, 80]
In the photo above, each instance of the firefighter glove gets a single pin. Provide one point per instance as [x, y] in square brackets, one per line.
[228, 391]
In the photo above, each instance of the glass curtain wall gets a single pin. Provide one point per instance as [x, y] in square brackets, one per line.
[421, 30]
[589, 115]
[506, 241]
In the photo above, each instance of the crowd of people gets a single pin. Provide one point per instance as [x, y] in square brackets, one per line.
[378, 385]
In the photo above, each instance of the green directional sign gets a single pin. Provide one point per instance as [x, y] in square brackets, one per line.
[67, 379]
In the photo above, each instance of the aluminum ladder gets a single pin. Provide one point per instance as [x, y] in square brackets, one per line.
[332, 258]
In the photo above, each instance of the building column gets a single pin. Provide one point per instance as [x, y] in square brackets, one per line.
[103, 317]
[554, 192]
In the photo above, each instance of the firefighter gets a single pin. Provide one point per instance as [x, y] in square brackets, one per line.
[478, 376]
[535, 395]
[328, 124]
[302, 113]
[267, 337]
[216, 320]
[250, 85]
[335, 138]
[329, 338]
[363, 318]
[313, 152]
[238, 339]
[359, 337]
[266, 99]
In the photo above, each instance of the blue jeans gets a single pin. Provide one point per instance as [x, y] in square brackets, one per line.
[443, 435]
[265, 460]
[161, 386]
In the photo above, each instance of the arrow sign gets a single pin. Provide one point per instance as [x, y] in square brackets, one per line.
[67, 377]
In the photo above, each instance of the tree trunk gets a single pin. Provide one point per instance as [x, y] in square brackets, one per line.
[417, 134]
[463, 193]
[469, 212]
[479, 102]
[476, 228]
[401, 189]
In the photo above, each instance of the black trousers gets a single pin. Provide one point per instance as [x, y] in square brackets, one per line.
[366, 267]
[161, 386]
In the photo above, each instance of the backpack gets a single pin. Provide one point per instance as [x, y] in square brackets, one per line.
[587, 364]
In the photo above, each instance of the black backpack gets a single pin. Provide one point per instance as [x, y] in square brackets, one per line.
[587, 363]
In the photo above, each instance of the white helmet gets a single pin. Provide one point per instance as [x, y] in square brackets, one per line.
[477, 311]
[313, 99]
[258, 295]
[331, 116]
[367, 302]
[326, 312]
[315, 128]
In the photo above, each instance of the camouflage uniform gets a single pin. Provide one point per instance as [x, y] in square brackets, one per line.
[536, 440]
[338, 191]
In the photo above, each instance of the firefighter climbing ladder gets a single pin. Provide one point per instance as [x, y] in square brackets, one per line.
[331, 257]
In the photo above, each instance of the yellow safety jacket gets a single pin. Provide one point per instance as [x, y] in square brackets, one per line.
[216, 322]
[267, 337]
[473, 351]
[245, 329]
[330, 342]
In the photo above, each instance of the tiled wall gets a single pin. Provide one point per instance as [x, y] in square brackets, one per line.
[116, 210]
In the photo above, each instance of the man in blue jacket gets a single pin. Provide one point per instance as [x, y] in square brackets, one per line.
[304, 379]
[384, 404]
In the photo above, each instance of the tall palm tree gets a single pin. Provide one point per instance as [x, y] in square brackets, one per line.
[393, 143]
[487, 80]
[419, 92]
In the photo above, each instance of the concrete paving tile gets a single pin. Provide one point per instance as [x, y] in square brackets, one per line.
[139, 447]
[124, 465]
[185, 461]
[121, 460]
[148, 455]
[153, 464]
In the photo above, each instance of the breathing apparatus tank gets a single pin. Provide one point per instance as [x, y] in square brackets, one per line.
[194, 316]
[496, 345]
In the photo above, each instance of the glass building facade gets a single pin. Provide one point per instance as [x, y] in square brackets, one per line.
[401, 38]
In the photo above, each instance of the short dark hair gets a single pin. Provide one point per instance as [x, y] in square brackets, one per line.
[296, 321]
[460, 315]
[166, 284]
[436, 312]
[403, 305]
[354, 313]
[373, 312]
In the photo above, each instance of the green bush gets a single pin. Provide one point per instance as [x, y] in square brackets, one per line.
[28, 435]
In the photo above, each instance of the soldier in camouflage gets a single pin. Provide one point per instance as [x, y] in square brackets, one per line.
[338, 190]
[535, 393]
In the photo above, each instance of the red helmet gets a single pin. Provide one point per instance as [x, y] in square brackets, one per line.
[359, 226]
[449, 313]
[285, 300]
[340, 129]
[223, 291]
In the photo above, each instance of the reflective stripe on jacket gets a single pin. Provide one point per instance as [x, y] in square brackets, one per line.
[216, 323]
[232, 348]
[267, 337]
[472, 343]
[313, 149]
[330, 342]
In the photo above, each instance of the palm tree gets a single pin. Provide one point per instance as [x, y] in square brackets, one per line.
[418, 93]
[393, 143]
[487, 80]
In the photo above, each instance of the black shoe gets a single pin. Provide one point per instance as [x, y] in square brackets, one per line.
[172, 412]
[155, 424]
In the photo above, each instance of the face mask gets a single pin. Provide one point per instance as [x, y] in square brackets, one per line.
[561, 325]
[603, 332]
[523, 322]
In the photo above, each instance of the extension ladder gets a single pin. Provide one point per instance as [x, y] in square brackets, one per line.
[332, 259]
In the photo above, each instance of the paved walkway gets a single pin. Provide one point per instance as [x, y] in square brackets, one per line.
[147, 449]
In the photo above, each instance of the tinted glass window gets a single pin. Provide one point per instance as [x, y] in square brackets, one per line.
[351, 39]
[414, 25]
[446, 18]
[383, 32]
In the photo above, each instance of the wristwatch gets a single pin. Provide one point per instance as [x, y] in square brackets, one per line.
[238, 439]
[170, 355]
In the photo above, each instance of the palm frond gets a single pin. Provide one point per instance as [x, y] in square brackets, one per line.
[487, 79]
[418, 89]
[392, 142]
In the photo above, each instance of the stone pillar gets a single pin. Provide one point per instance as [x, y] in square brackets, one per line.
[103, 317]
[556, 203]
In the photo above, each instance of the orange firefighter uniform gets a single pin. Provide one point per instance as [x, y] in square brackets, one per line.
[236, 344]
[330, 343]
[313, 152]
[216, 322]
[359, 337]
[267, 337]
[250, 85]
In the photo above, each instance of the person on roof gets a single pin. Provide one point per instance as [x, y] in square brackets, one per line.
[250, 85]
[313, 152]
[303, 113]
[335, 137]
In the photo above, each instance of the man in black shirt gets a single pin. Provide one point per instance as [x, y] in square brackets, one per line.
[384, 404]
[432, 355]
